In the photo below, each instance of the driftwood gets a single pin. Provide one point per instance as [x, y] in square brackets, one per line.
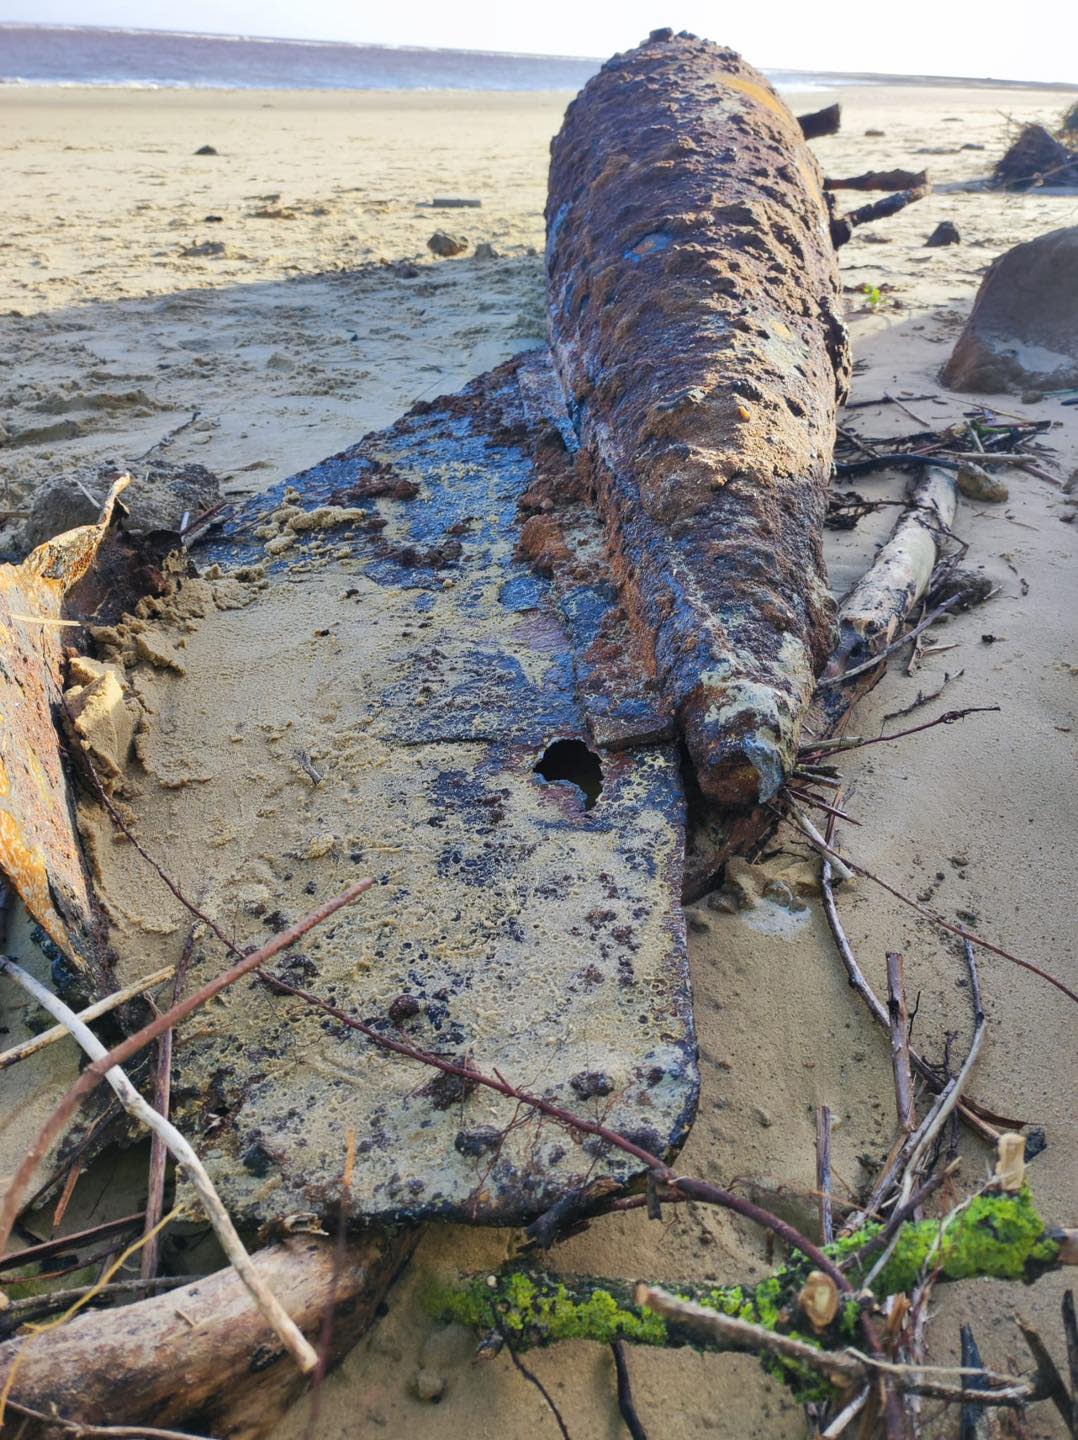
[874, 611]
[202, 1356]
[694, 324]
[880, 180]
[843, 226]
[817, 123]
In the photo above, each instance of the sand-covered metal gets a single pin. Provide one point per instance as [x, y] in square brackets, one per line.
[380, 683]
[694, 323]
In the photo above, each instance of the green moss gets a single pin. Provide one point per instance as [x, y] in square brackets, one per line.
[994, 1235]
[999, 1236]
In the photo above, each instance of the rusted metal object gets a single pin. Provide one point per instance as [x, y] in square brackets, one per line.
[39, 848]
[694, 306]
[529, 906]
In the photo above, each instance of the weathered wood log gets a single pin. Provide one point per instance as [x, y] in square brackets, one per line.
[817, 123]
[880, 180]
[843, 226]
[202, 1356]
[694, 326]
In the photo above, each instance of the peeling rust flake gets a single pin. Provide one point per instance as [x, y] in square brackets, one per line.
[694, 326]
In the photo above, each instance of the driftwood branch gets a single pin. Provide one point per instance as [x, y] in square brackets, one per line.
[92, 1012]
[203, 1353]
[843, 226]
[275, 1315]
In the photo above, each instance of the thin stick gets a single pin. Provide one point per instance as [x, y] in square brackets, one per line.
[282, 1324]
[92, 1012]
[959, 930]
[19, 1311]
[33, 1253]
[95, 1072]
[859, 983]
[162, 1099]
[823, 1172]
[888, 650]
[899, 1022]
[1047, 1373]
[933, 1123]
[80, 1431]
[533, 1379]
[626, 1405]
[804, 824]
[1070, 1330]
[846, 1414]
[830, 746]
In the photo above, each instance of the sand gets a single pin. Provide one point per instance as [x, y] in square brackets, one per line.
[306, 332]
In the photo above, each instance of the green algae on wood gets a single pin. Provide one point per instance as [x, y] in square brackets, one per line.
[1001, 1236]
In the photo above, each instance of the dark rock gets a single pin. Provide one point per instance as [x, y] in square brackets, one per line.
[445, 245]
[205, 150]
[455, 202]
[405, 1007]
[589, 1083]
[203, 250]
[478, 1140]
[945, 233]
[1023, 330]
[486, 251]
[156, 500]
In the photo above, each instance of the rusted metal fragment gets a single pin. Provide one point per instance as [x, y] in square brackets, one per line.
[528, 911]
[39, 848]
[694, 326]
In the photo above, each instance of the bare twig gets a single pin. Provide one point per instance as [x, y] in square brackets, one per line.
[959, 930]
[888, 650]
[533, 1379]
[155, 1185]
[921, 1142]
[832, 746]
[33, 1253]
[823, 1172]
[859, 983]
[95, 1072]
[847, 1414]
[626, 1405]
[80, 1431]
[899, 1020]
[282, 1324]
[92, 1012]
[1051, 1381]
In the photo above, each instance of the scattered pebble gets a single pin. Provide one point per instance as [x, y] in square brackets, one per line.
[429, 1385]
[443, 244]
[977, 484]
[205, 249]
[205, 150]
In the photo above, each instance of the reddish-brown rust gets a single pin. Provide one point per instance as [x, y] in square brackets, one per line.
[694, 326]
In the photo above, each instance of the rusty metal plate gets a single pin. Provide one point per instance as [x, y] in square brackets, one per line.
[530, 920]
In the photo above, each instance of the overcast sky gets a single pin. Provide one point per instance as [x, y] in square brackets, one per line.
[934, 37]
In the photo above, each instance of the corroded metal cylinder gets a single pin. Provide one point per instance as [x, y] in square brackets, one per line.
[694, 325]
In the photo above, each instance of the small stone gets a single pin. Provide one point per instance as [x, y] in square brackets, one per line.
[203, 250]
[589, 1083]
[205, 150]
[945, 233]
[874, 133]
[446, 245]
[454, 202]
[977, 484]
[779, 893]
[429, 1385]
[405, 1007]
[486, 251]
[1032, 397]
[763, 1117]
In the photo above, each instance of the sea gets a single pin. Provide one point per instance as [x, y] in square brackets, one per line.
[152, 59]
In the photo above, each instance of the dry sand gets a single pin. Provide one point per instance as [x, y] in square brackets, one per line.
[301, 336]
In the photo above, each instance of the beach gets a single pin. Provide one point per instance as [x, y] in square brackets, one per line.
[309, 311]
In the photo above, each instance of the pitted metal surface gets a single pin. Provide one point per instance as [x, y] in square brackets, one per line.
[694, 303]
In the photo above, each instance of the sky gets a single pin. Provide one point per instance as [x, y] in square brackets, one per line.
[933, 37]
